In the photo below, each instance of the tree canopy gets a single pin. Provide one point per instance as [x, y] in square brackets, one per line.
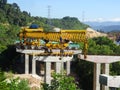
[103, 46]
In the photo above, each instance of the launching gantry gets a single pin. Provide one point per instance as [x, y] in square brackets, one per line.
[36, 38]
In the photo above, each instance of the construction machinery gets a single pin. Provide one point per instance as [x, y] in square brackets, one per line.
[31, 39]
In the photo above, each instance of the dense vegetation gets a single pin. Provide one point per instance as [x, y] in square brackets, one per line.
[103, 46]
[11, 14]
[61, 82]
[10, 83]
[8, 34]
[12, 18]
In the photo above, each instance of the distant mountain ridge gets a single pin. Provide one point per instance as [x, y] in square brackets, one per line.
[105, 26]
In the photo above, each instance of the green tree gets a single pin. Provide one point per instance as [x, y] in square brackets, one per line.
[72, 23]
[84, 74]
[2, 3]
[102, 46]
[115, 68]
[60, 82]
[116, 50]
[8, 35]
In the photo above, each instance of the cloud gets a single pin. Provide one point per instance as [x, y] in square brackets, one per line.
[103, 20]
[115, 19]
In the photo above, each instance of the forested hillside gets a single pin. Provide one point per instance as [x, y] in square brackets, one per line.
[11, 14]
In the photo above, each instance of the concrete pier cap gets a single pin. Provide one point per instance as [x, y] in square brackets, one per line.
[101, 58]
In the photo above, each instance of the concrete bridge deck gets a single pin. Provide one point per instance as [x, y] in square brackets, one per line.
[28, 51]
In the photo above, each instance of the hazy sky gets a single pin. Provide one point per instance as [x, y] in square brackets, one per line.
[100, 10]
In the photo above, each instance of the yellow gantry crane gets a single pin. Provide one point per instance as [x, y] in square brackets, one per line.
[32, 36]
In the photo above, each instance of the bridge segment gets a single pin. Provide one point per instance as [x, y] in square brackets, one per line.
[101, 66]
[48, 58]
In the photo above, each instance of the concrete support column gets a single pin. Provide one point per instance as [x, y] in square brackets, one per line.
[48, 72]
[33, 65]
[58, 67]
[105, 70]
[96, 85]
[68, 67]
[26, 64]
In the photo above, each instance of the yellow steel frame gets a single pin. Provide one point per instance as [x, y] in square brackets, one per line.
[72, 35]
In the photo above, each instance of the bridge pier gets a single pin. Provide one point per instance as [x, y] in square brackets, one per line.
[26, 64]
[97, 72]
[100, 62]
[47, 77]
[105, 70]
[58, 66]
[33, 65]
[68, 67]
[48, 60]
[97, 68]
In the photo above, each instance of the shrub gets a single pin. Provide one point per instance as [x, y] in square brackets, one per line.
[61, 82]
[12, 83]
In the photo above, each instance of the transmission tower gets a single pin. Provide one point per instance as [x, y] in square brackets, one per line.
[49, 17]
[83, 16]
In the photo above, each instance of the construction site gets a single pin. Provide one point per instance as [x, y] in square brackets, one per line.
[57, 49]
